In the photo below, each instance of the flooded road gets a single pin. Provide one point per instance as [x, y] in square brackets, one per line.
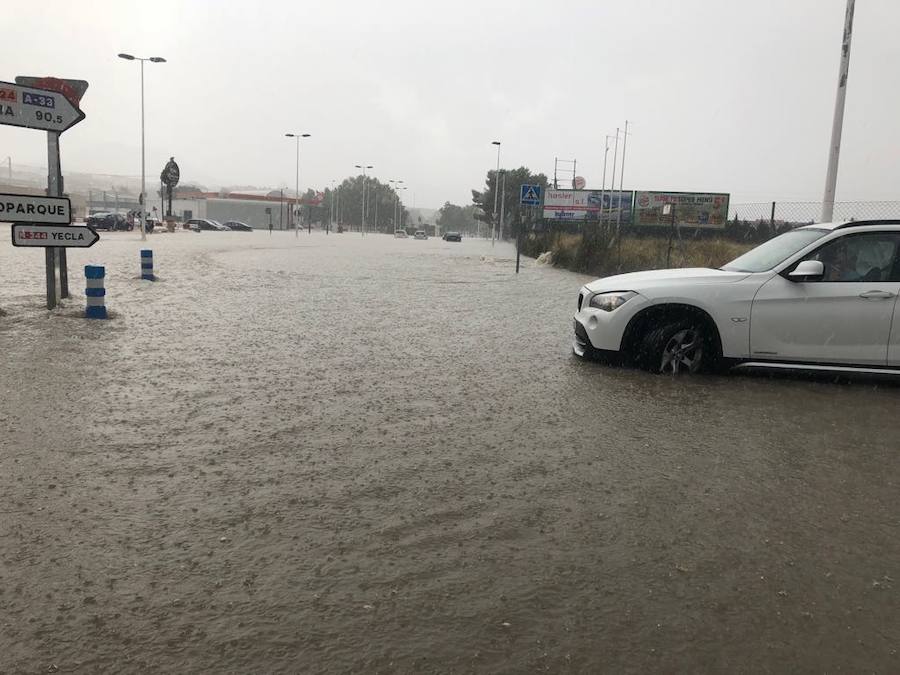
[360, 454]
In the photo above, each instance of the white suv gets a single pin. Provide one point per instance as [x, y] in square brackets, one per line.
[821, 297]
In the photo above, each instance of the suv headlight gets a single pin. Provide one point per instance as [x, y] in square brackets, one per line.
[610, 301]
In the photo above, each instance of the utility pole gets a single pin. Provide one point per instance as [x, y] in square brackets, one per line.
[834, 150]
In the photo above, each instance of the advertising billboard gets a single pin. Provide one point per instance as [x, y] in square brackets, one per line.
[584, 205]
[693, 209]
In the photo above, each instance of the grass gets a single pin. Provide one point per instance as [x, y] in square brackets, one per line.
[602, 255]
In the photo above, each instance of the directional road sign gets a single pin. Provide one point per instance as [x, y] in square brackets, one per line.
[35, 209]
[530, 195]
[66, 236]
[36, 108]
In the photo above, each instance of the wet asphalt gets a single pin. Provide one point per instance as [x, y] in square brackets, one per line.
[360, 454]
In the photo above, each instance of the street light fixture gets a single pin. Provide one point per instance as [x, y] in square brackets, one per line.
[152, 59]
[362, 224]
[496, 190]
[297, 180]
[398, 185]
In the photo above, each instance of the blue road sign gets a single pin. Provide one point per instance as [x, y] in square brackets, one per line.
[530, 195]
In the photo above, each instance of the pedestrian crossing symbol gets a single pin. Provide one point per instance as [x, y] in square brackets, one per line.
[530, 195]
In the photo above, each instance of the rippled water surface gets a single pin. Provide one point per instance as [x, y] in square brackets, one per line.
[360, 454]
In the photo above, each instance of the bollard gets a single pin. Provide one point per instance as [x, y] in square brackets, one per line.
[147, 265]
[95, 292]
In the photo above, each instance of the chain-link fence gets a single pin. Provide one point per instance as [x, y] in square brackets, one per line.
[761, 220]
[695, 237]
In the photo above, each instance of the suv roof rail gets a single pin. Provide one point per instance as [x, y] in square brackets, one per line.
[857, 223]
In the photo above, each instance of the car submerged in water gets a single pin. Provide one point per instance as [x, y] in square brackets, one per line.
[820, 297]
[452, 236]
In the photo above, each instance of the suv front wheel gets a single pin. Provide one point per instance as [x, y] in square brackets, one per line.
[678, 347]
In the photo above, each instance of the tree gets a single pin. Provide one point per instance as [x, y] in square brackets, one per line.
[513, 211]
[452, 217]
[348, 199]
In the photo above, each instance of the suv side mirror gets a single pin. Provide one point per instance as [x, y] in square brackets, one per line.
[807, 269]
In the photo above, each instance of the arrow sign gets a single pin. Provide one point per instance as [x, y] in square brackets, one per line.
[36, 108]
[72, 236]
[35, 209]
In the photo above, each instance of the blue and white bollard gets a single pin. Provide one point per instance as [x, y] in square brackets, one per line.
[95, 292]
[147, 265]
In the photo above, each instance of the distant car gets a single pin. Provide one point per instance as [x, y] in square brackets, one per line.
[400, 234]
[238, 226]
[420, 234]
[452, 236]
[198, 224]
[111, 222]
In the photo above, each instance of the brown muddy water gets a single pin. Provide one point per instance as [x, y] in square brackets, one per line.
[359, 454]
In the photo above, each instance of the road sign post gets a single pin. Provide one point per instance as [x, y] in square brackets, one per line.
[530, 195]
[51, 107]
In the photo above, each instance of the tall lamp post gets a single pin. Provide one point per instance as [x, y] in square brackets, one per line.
[152, 59]
[297, 179]
[496, 191]
[362, 224]
[398, 185]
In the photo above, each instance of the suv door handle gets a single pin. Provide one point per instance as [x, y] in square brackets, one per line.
[876, 295]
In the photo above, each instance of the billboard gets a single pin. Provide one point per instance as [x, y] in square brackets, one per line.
[584, 205]
[694, 209]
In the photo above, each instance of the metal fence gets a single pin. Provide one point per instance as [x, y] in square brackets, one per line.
[807, 213]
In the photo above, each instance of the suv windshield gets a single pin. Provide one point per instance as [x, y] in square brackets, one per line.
[766, 256]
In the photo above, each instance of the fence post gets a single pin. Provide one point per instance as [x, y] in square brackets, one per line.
[147, 265]
[94, 292]
[772, 219]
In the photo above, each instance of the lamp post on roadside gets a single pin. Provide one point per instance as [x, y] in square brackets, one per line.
[621, 178]
[603, 184]
[152, 59]
[398, 185]
[496, 191]
[297, 178]
[362, 224]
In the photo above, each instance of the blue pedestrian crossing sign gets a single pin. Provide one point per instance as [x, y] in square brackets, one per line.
[530, 195]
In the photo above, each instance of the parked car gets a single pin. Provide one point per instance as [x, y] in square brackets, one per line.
[820, 297]
[238, 226]
[452, 236]
[111, 222]
[420, 234]
[198, 224]
[400, 234]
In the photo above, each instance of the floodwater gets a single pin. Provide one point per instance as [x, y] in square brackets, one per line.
[360, 454]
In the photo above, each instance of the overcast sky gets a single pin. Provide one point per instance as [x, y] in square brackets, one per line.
[723, 95]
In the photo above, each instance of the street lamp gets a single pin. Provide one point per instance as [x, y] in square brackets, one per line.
[297, 179]
[398, 185]
[152, 59]
[362, 224]
[496, 190]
